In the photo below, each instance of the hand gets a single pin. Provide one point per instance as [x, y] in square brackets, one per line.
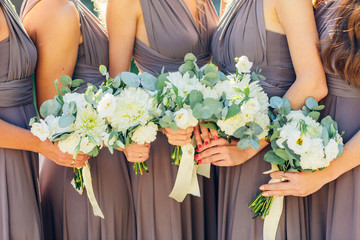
[296, 184]
[137, 152]
[181, 137]
[222, 153]
[202, 135]
[52, 152]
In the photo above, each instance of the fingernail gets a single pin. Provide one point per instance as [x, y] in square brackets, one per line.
[196, 157]
[198, 150]
[265, 194]
[262, 188]
[199, 146]
[215, 137]
[200, 161]
[206, 143]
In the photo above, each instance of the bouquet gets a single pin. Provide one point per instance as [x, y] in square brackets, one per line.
[299, 143]
[72, 121]
[127, 104]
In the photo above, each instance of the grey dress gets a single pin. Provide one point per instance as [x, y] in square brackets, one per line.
[242, 32]
[334, 209]
[20, 216]
[172, 32]
[68, 215]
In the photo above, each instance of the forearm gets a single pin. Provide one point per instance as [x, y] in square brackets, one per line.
[347, 161]
[14, 137]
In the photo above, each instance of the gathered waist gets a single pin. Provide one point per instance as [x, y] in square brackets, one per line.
[16, 93]
[339, 87]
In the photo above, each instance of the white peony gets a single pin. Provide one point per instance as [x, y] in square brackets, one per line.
[313, 158]
[88, 122]
[107, 105]
[251, 107]
[331, 150]
[184, 83]
[133, 107]
[229, 126]
[69, 144]
[86, 145]
[243, 64]
[40, 130]
[184, 118]
[145, 134]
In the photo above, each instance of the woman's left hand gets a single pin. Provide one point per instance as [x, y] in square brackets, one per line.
[294, 184]
[222, 153]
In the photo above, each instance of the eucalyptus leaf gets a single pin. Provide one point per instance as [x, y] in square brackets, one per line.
[130, 79]
[213, 106]
[103, 70]
[116, 81]
[281, 153]
[210, 68]
[195, 97]
[314, 115]
[256, 128]
[91, 139]
[187, 66]
[233, 110]
[240, 133]
[148, 81]
[94, 152]
[311, 102]
[271, 157]
[64, 90]
[50, 107]
[189, 57]
[66, 120]
[222, 76]
[254, 141]
[59, 136]
[76, 82]
[275, 135]
[32, 121]
[65, 80]
[276, 102]
[244, 143]
[198, 111]
[210, 125]
[319, 108]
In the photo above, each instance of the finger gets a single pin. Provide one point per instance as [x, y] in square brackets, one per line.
[197, 137]
[222, 163]
[275, 193]
[216, 143]
[179, 143]
[178, 137]
[205, 135]
[277, 174]
[281, 186]
[188, 130]
[211, 159]
[214, 134]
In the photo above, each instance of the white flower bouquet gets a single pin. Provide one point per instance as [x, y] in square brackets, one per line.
[299, 143]
[127, 104]
[74, 123]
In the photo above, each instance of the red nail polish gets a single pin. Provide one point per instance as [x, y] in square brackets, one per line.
[200, 161]
[196, 157]
[206, 143]
[215, 137]
[197, 150]
[199, 146]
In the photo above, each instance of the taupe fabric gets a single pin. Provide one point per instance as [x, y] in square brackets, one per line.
[334, 209]
[20, 216]
[242, 32]
[172, 33]
[68, 215]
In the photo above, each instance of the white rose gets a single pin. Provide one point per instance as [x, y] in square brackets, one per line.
[40, 130]
[314, 158]
[107, 106]
[243, 64]
[78, 98]
[69, 144]
[145, 134]
[229, 126]
[86, 145]
[331, 150]
[184, 118]
[299, 143]
[251, 107]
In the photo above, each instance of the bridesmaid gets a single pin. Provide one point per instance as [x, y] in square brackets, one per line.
[279, 37]
[334, 209]
[71, 41]
[159, 33]
[19, 201]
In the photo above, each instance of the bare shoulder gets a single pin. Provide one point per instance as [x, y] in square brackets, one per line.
[49, 15]
[125, 7]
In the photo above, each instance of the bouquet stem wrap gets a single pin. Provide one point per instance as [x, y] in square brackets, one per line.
[90, 191]
[186, 180]
[271, 222]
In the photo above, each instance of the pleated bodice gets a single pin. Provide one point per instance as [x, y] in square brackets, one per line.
[172, 32]
[242, 32]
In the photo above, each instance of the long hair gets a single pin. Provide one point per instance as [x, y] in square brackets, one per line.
[342, 52]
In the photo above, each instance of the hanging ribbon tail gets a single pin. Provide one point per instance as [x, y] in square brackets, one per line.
[204, 169]
[271, 222]
[90, 192]
[186, 180]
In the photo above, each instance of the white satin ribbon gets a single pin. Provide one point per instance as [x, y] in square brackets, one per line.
[271, 222]
[89, 190]
[186, 180]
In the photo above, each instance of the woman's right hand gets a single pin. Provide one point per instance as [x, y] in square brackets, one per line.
[203, 136]
[52, 152]
[180, 137]
[137, 152]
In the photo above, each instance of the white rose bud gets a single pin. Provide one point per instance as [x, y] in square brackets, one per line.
[40, 130]
[107, 106]
[243, 64]
[184, 118]
[331, 150]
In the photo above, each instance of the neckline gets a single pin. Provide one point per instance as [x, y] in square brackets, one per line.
[5, 40]
[192, 18]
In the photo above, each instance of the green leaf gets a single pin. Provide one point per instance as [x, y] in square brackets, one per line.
[256, 128]
[94, 152]
[244, 143]
[195, 97]
[179, 101]
[314, 115]
[198, 111]
[91, 139]
[239, 133]
[325, 136]
[222, 76]
[160, 82]
[187, 66]
[341, 150]
[254, 141]
[281, 153]
[50, 107]
[275, 135]
[210, 125]
[103, 70]
[76, 83]
[189, 57]
[233, 110]
[130, 79]
[311, 102]
[319, 108]
[59, 136]
[66, 120]
[286, 107]
[167, 119]
[116, 81]
[32, 121]
[246, 91]
[271, 157]
[212, 78]
[148, 81]
[276, 102]
[210, 68]
[65, 80]
[212, 106]
[64, 90]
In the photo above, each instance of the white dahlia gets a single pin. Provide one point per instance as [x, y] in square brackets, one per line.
[145, 134]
